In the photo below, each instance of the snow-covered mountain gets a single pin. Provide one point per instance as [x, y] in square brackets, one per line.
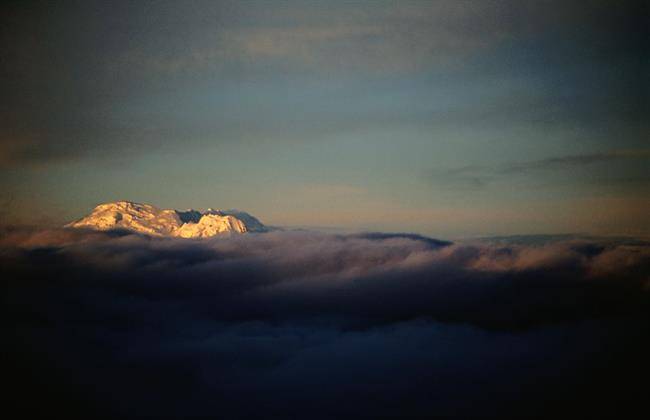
[150, 220]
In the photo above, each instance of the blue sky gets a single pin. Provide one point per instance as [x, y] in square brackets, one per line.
[444, 118]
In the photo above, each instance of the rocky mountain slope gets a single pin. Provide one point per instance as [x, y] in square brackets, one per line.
[150, 220]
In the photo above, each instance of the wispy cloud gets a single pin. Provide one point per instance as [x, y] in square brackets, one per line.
[474, 177]
[572, 161]
[346, 36]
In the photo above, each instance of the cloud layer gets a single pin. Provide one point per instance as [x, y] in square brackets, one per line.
[285, 323]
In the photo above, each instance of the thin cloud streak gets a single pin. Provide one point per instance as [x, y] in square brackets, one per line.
[573, 160]
[475, 177]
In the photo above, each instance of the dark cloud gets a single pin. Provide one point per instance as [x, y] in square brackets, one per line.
[574, 160]
[303, 324]
[475, 177]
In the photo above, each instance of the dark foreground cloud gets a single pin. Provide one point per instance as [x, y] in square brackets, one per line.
[299, 324]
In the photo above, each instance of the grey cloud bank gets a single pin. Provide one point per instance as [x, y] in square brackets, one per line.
[289, 324]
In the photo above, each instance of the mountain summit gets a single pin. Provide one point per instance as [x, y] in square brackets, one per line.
[150, 220]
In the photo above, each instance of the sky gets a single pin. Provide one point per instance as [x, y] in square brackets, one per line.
[445, 118]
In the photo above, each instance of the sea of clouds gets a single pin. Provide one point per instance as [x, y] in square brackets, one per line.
[314, 325]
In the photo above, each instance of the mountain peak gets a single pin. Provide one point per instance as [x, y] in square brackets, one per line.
[150, 220]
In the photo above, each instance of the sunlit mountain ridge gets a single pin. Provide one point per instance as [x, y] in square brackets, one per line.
[151, 220]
